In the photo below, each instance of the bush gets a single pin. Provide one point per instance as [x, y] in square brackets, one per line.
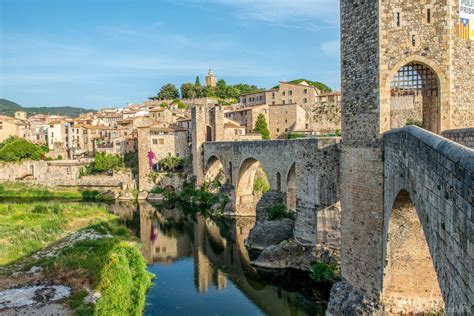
[279, 211]
[261, 185]
[323, 272]
[261, 126]
[171, 164]
[104, 162]
[17, 149]
[411, 121]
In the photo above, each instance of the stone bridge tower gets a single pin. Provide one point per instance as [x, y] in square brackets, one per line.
[402, 62]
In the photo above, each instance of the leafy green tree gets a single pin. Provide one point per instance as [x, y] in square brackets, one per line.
[181, 105]
[16, 149]
[188, 91]
[104, 162]
[261, 126]
[168, 91]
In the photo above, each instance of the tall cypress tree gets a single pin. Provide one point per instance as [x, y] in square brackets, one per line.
[198, 87]
[261, 126]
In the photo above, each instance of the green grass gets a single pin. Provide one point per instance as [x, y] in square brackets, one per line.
[112, 265]
[21, 190]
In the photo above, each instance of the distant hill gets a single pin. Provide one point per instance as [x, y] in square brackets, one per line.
[9, 108]
[319, 85]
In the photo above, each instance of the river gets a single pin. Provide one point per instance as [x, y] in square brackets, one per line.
[203, 268]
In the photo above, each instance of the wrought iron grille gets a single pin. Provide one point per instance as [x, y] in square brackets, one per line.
[414, 79]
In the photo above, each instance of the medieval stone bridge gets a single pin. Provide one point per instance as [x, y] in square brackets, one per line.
[425, 239]
[305, 171]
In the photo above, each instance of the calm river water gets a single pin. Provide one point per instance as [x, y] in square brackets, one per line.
[203, 268]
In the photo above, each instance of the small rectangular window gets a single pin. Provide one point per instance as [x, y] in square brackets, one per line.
[398, 18]
[290, 92]
[428, 15]
[155, 142]
[413, 40]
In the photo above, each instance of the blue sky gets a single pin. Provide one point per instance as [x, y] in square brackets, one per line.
[99, 53]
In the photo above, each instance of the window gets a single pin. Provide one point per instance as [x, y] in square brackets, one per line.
[428, 15]
[398, 18]
[177, 154]
[305, 100]
[290, 92]
[273, 103]
[283, 93]
[284, 102]
[286, 121]
[273, 95]
[290, 101]
[155, 142]
[161, 141]
[413, 40]
[278, 130]
[305, 91]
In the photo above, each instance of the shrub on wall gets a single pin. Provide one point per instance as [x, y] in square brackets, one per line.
[104, 162]
[17, 149]
[279, 211]
[323, 272]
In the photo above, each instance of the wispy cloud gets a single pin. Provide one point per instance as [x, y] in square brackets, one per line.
[331, 49]
[308, 14]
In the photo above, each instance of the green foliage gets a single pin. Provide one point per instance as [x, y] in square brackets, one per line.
[192, 200]
[261, 184]
[294, 135]
[17, 149]
[338, 133]
[130, 160]
[322, 272]
[261, 126]
[188, 91]
[157, 190]
[19, 190]
[112, 265]
[180, 104]
[9, 108]
[279, 211]
[411, 121]
[104, 162]
[171, 164]
[319, 85]
[167, 92]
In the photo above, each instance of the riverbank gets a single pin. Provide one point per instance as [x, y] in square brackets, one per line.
[73, 246]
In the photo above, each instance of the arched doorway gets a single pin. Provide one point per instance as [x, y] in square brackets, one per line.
[252, 182]
[410, 282]
[415, 97]
[214, 175]
[209, 134]
[291, 188]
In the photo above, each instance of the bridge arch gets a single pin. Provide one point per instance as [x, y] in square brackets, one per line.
[291, 188]
[415, 91]
[245, 197]
[214, 171]
[410, 279]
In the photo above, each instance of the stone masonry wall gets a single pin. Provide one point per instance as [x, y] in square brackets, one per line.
[463, 136]
[439, 176]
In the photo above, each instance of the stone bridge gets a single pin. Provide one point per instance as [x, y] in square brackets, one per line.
[304, 171]
[428, 231]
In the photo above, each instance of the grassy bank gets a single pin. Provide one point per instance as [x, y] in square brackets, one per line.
[21, 190]
[80, 245]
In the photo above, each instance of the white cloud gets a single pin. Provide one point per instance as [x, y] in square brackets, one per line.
[331, 48]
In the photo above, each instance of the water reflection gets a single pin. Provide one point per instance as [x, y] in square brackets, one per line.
[183, 249]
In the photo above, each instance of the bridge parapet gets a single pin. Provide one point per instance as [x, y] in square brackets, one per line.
[438, 174]
[463, 136]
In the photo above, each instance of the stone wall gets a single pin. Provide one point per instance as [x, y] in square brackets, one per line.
[439, 176]
[62, 173]
[463, 136]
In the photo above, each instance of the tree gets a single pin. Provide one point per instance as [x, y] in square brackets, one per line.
[261, 126]
[198, 87]
[168, 91]
[16, 149]
[188, 91]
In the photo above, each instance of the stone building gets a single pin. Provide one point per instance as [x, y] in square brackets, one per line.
[211, 79]
[401, 61]
[10, 126]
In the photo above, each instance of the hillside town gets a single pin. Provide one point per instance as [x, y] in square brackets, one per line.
[289, 109]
